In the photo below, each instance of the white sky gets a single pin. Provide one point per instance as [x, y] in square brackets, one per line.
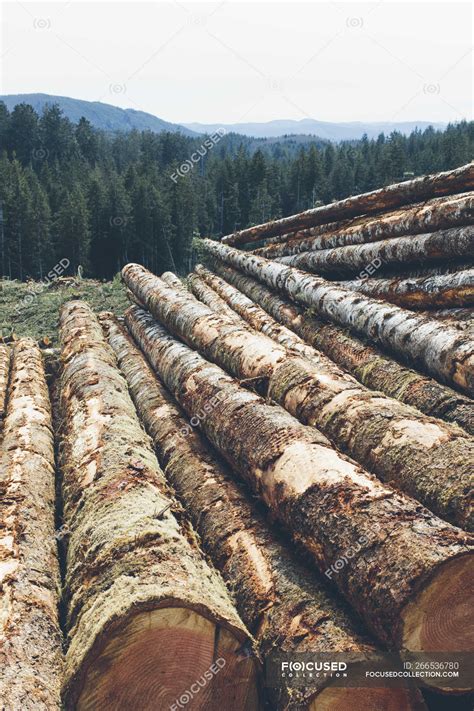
[229, 62]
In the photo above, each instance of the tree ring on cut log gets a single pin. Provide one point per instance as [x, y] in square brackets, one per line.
[439, 617]
[169, 657]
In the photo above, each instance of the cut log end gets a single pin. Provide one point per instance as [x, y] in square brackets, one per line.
[358, 699]
[166, 657]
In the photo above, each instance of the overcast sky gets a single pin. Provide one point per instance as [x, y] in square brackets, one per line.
[229, 62]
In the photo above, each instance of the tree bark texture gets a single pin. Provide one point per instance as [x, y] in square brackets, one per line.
[284, 604]
[136, 580]
[365, 259]
[31, 658]
[367, 363]
[426, 343]
[431, 216]
[393, 196]
[443, 290]
[427, 458]
[328, 503]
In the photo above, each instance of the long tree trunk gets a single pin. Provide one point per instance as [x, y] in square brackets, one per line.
[136, 581]
[425, 457]
[430, 216]
[448, 290]
[427, 344]
[285, 605]
[389, 556]
[173, 280]
[367, 363]
[209, 297]
[430, 186]
[31, 659]
[5, 356]
[367, 258]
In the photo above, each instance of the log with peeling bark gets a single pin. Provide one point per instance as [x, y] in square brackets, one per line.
[4, 378]
[402, 569]
[430, 216]
[425, 457]
[31, 658]
[367, 258]
[448, 290]
[285, 605]
[209, 297]
[367, 363]
[429, 186]
[136, 581]
[173, 280]
[429, 345]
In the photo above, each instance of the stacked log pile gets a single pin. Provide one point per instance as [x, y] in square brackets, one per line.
[146, 615]
[285, 605]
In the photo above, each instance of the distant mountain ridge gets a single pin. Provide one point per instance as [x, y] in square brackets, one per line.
[330, 131]
[112, 118]
[102, 116]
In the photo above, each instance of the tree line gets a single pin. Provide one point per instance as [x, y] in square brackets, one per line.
[100, 200]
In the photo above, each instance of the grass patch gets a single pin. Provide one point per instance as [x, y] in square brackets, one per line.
[28, 309]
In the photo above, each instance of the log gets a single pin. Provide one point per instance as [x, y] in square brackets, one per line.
[444, 290]
[367, 258]
[31, 659]
[173, 280]
[427, 458]
[209, 297]
[283, 603]
[4, 378]
[429, 186]
[363, 360]
[409, 571]
[430, 216]
[136, 581]
[430, 346]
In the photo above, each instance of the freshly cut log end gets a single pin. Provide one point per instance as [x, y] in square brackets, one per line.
[166, 656]
[135, 575]
[31, 659]
[439, 618]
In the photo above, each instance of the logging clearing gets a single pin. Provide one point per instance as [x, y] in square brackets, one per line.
[268, 584]
[249, 464]
[31, 657]
[327, 502]
[136, 582]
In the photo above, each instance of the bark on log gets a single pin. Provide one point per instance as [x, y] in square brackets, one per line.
[430, 216]
[429, 186]
[425, 343]
[209, 297]
[31, 659]
[367, 363]
[404, 555]
[172, 280]
[448, 290]
[367, 258]
[429, 459]
[5, 355]
[136, 580]
[284, 604]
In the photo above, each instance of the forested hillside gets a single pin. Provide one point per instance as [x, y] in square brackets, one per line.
[69, 191]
